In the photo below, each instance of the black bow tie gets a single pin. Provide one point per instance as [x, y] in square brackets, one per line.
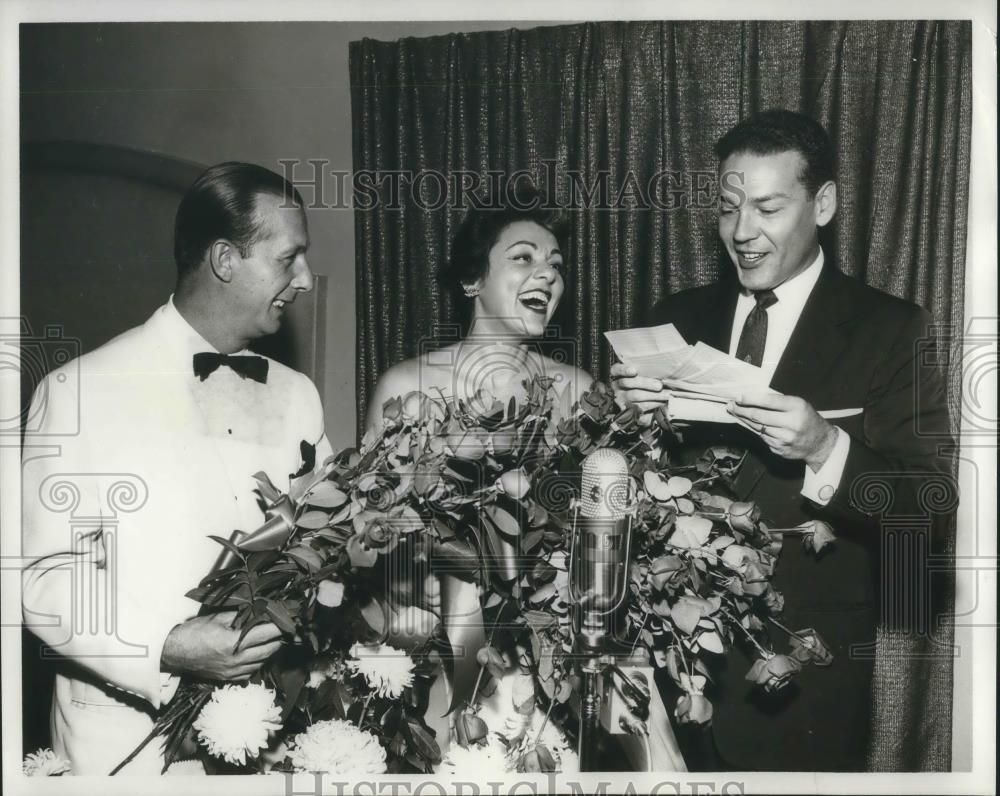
[207, 362]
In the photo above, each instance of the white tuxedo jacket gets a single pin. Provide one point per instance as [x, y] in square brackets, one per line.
[116, 516]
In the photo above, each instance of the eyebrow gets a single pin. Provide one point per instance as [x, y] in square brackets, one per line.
[726, 198]
[294, 249]
[529, 243]
[769, 197]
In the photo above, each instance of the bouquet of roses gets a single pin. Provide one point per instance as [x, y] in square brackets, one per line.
[480, 493]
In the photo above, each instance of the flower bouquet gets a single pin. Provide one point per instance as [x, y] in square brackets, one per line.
[463, 511]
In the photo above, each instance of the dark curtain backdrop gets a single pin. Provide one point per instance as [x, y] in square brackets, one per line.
[647, 98]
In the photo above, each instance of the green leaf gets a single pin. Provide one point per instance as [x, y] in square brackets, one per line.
[250, 625]
[326, 703]
[291, 680]
[313, 520]
[564, 692]
[326, 495]
[374, 614]
[539, 620]
[229, 546]
[423, 741]
[280, 616]
[222, 573]
[685, 616]
[268, 490]
[271, 580]
[306, 556]
[504, 521]
[532, 540]
[360, 555]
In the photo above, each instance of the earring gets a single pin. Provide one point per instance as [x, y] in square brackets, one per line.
[471, 291]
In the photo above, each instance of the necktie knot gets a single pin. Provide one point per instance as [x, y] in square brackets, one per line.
[765, 298]
[206, 363]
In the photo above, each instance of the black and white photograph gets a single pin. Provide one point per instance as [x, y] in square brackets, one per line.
[478, 399]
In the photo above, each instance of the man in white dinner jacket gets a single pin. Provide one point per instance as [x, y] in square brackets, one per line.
[175, 417]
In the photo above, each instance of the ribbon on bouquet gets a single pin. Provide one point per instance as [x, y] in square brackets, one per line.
[279, 522]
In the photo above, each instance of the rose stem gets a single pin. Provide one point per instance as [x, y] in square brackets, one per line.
[747, 633]
[680, 651]
[703, 551]
[489, 642]
[364, 710]
[638, 635]
[791, 633]
[545, 721]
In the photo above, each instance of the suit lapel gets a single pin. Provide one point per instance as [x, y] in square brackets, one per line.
[815, 345]
[716, 323]
[817, 340]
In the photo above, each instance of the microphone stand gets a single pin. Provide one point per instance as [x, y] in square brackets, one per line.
[592, 671]
[592, 644]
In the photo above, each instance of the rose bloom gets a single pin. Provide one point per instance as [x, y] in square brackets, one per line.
[744, 516]
[774, 672]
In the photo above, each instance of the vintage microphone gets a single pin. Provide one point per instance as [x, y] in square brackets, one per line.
[600, 545]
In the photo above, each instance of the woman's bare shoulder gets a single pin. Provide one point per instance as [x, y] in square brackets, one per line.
[569, 379]
[425, 373]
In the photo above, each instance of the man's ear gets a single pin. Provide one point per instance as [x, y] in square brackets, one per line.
[221, 257]
[826, 203]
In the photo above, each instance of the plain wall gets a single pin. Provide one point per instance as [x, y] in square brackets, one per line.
[209, 92]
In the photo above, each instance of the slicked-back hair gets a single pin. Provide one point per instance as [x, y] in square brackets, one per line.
[774, 131]
[222, 204]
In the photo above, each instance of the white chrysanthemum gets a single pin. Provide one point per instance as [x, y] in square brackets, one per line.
[235, 722]
[44, 763]
[337, 747]
[387, 669]
[482, 761]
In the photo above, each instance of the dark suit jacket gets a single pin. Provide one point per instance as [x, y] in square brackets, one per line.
[853, 346]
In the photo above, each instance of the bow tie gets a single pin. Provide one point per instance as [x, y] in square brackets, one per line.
[207, 362]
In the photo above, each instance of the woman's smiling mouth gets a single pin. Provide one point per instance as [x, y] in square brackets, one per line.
[535, 300]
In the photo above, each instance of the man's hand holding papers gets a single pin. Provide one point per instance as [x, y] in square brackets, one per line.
[696, 382]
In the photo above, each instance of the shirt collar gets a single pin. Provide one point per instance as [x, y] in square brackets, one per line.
[186, 339]
[183, 335]
[797, 289]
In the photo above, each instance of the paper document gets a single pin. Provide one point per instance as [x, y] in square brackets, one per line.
[701, 379]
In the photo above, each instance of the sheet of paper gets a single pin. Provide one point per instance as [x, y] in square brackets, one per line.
[646, 340]
[698, 410]
[660, 352]
[654, 351]
[707, 367]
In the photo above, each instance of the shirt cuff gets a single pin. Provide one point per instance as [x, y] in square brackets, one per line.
[821, 486]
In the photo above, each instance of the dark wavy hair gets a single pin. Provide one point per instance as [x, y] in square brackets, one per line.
[481, 228]
[779, 130]
[221, 204]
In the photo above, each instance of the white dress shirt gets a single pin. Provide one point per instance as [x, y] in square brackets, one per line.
[782, 317]
[149, 461]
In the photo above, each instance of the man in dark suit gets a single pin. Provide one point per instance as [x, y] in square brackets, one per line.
[828, 342]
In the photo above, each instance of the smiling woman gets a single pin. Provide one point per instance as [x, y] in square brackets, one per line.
[508, 270]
